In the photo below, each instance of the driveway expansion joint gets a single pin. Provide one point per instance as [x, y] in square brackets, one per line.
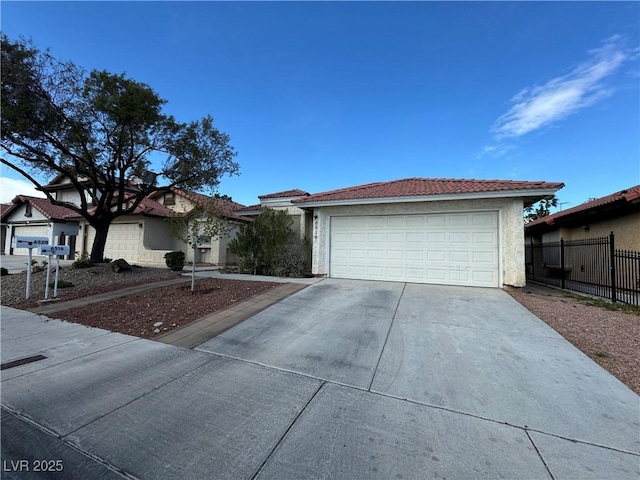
[539, 454]
[284, 435]
[395, 312]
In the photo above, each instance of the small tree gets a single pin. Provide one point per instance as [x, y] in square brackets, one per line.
[203, 224]
[540, 209]
[258, 242]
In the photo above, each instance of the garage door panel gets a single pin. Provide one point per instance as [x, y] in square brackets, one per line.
[463, 257]
[436, 237]
[375, 254]
[436, 256]
[435, 220]
[459, 237]
[456, 248]
[488, 238]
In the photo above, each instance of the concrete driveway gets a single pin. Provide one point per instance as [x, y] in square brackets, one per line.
[345, 379]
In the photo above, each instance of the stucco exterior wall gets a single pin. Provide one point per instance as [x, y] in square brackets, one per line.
[69, 196]
[298, 215]
[18, 215]
[626, 231]
[511, 229]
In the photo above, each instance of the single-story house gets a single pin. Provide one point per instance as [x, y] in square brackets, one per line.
[444, 231]
[618, 212]
[141, 237]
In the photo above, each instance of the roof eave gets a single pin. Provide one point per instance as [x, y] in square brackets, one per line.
[525, 193]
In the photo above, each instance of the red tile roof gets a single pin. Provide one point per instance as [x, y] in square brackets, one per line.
[286, 194]
[152, 208]
[250, 209]
[622, 197]
[417, 187]
[46, 208]
[222, 205]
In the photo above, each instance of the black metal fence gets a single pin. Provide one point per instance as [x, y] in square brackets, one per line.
[592, 266]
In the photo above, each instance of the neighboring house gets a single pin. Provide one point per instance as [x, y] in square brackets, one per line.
[442, 231]
[618, 213]
[302, 220]
[36, 217]
[141, 237]
[211, 250]
[3, 226]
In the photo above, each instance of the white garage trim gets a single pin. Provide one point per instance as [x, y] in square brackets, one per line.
[448, 247]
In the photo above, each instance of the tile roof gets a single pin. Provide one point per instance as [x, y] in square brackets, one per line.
[417, 187]
[152, 208]
[622, 197]
[222, 205]
[286, 194]
[249, 209]
[46, 208]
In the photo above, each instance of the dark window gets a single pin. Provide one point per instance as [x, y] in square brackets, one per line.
[27, 209]
[169, 198]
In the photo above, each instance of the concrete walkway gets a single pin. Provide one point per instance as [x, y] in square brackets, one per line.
[342, 380]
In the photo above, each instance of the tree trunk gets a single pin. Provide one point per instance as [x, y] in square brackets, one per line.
[99, 242]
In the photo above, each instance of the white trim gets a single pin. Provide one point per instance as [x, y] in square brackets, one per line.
[428, 198]
[500, 250]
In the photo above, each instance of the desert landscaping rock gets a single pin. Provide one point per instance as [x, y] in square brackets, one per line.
[120, 265]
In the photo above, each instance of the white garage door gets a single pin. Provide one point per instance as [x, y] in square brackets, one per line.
[123, 241]
[29, 231]
[447, 248]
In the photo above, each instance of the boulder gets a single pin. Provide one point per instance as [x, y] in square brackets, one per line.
[120, 265]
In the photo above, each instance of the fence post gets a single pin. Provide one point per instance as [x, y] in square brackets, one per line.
[533, 260]
[612, 253]
[562, 262]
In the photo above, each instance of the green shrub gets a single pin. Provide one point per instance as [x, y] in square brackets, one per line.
[3, 272]
[291, 259]
[61, 284]
[258, 242]
[175, 260]
[106, 260]
[83, 262]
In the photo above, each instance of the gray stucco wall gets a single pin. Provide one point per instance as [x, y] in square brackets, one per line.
[511, 229]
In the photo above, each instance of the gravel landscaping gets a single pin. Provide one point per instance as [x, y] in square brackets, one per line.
[136, 314]
[86, 281]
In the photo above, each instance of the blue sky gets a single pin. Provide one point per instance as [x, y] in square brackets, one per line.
[325, 95]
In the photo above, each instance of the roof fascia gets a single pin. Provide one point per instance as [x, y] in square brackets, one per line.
[538, 193]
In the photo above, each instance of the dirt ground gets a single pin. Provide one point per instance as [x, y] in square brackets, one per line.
[173, 306]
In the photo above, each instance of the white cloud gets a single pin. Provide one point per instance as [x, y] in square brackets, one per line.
[498, 150]
[538, 106]
[10, 187]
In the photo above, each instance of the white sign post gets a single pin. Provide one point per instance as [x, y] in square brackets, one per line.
[30, 243]
[49, 250]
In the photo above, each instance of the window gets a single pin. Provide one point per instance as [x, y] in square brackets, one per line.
[169, 198]
[27, 209]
